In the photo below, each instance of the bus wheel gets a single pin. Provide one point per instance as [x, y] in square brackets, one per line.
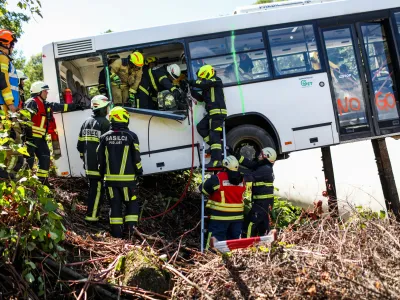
[248, 140]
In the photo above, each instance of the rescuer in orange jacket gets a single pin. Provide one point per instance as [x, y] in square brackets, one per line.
[43, 124]
[225, 202]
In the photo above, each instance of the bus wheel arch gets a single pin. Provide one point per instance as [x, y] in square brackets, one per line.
[251, 132]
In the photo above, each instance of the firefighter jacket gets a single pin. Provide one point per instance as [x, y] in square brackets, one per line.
[128, 76]
[119, 157]
[89, 138]
[102, 82]
[43, 119]
[225, 200]
[145, 84]
[212, 95]
[262, 178]
[10, 93]
[159, 79]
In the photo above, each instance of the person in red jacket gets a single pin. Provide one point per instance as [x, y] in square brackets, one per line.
[225, 202]
[43, 124]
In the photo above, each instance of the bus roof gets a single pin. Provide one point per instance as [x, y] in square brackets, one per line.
[271, 16]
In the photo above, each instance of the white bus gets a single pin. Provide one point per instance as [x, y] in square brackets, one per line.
[299, 76]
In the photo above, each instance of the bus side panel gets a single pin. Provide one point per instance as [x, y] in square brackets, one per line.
[290, 103]
[50, 73]
[164, 135]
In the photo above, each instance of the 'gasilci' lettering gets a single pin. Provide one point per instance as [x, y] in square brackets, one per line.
[116, 138]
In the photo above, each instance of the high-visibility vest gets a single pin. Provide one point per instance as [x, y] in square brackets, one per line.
[43, 120]
[227, 200]
[13, 78]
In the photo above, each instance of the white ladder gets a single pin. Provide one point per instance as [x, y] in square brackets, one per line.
[203, 198]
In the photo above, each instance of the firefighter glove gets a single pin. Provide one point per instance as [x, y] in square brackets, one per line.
[79, 107]
[132, 100]
[177, 95]
[115, 79]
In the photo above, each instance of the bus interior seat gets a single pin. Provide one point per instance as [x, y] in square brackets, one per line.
[76, 89]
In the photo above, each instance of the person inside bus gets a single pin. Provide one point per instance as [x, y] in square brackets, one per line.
[246, 63]
[102, 75]
[144, 96]
[126, 74]
[210, 127]
[162, 77]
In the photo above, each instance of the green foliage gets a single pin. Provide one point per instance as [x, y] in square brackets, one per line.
[284, 213]
[30, 219]
[13, 20]
[34, 70]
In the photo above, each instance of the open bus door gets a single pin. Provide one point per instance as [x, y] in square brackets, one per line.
[365, 74]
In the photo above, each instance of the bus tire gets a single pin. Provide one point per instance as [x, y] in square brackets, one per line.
[248, 140]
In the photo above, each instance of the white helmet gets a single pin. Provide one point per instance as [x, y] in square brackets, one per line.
[38, 86]
[21, 75]
[231, 163]
[174, 70]
[99, 101]
[268, 153]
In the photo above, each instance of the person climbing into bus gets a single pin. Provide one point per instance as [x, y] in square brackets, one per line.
[89, 138]
[162, 77]
[120, 164]
[261, 175]
[210, 127]
[126, 74]
[144, 96]
[225, 202]
[102, 75]
[21, 83]
[43, 124]
[9, 95]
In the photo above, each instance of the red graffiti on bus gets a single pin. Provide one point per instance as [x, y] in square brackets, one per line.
[352, 104]
[384, 103]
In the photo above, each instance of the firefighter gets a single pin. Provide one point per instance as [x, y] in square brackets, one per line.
[144, 96]
[9, 96]
[21, 82]
[162, 77]
[210, 127]
[126, 74]
[43, 124]
[120, 164]
[89, 138]
[102, 75]
[225, 202]
[261, 176]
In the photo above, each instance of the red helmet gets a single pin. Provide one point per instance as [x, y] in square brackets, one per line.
[7, 38]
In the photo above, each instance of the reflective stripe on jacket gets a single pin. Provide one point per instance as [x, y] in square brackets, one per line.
[9, 95]
[226, 202]
[159, 79]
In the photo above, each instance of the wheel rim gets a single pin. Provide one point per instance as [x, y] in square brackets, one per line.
[248, 148]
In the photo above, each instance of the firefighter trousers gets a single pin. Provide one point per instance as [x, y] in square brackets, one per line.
[256, 222]
[210, 128]
[144, 101]
[13, 164]
[42, 152]
[120, 94]
[117, 197]
[94, 199]
[223, 230]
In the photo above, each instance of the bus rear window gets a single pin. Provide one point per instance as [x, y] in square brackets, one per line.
[294, 50]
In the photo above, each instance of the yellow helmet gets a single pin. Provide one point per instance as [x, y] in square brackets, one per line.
[119, 115]
[151, 59]
[137, 59]
[206, 72]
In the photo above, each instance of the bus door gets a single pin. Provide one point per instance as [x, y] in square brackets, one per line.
[363, 75]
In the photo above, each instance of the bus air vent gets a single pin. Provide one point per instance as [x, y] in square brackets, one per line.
[74, 47]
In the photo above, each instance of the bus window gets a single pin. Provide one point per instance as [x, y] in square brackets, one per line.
[346, 80]
[81, 77]
[236, 58]
[397, 16]
[294, 50]
[381, 69]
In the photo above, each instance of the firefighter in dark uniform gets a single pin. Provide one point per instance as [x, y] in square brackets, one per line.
[210, 127]
[162, 77]
[261, 176]
[144, 96]
[119, 162]
[43, 121]
[225, 202]
[89, 138]
[102, 75]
